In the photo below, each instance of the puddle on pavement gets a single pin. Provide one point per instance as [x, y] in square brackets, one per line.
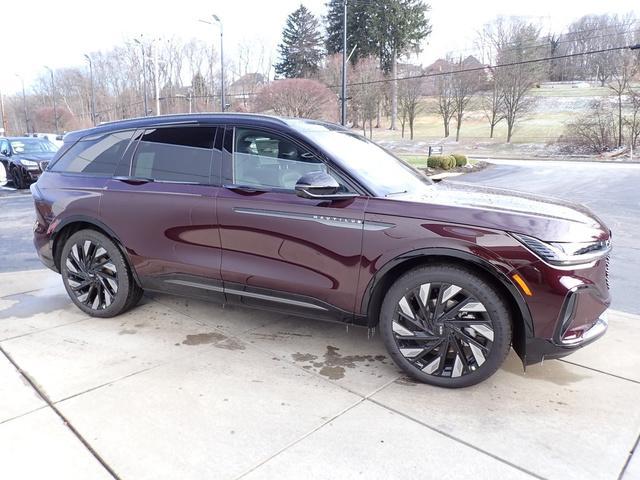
[27, 305]
[203, 338]
[218, 339]
[335, 364]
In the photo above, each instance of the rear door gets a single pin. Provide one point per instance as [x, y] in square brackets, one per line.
[281, 251]
[162, 205]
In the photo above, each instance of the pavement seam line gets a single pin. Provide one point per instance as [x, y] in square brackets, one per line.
[314, 430]
[35, 332]
[600, 371]
[60, 415]
[452, 437]
[626, 464]
[22, 414]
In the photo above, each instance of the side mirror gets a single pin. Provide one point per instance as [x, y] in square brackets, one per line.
[320, 186]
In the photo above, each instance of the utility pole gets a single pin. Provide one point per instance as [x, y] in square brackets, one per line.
[223, 104]
[156, 74]
[343, 94]
[53, 94]
[2, 115]
[24, 104]
[144, 76]
[93, 92]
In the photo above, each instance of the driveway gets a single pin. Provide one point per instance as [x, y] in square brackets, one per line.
[186, 389]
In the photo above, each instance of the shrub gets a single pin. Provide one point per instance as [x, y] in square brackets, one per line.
[461, 160]
[448, 162]
[435, 161]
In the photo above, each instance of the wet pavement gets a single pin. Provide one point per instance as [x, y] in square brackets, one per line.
[178, 388]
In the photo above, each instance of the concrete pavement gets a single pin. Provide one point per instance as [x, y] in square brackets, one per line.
[185, 389]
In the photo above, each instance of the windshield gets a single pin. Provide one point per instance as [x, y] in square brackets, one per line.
[29, 145]
[382, 172]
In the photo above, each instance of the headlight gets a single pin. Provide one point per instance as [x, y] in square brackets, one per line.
[566, 253]
[29, 163]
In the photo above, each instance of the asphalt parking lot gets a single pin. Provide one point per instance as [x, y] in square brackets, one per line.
[187, 389]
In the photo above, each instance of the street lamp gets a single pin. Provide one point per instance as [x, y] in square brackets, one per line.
[53, 94]
[144, 75]
[93, 93]
[216, 19]
[24, 103]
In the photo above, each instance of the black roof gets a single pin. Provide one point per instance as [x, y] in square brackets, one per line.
[199, 119]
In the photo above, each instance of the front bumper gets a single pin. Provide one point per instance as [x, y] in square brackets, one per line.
[538, 348]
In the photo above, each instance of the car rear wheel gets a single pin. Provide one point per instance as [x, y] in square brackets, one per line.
[18, 179]
[96, 275]
[446, 326]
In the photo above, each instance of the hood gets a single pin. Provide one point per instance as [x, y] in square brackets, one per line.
[548, 219]
[36, 157]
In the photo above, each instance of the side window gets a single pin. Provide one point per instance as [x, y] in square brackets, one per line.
[4, 147]
[98, 156]
[176, 154]
[268, 160]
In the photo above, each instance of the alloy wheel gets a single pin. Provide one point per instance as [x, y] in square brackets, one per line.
[443, 330]
[91, 275]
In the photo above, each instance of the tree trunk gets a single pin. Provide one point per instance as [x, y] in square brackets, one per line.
[402, 122]
[411, 127]
[371, 128]
[620, 120]
[394, 91]
[491, 132]
[378, 116]
[446, 128]
[509, 131]
[458, 125]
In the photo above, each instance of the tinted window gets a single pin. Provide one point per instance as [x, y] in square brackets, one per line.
[98, 156]
[267, 160]
[176, 154]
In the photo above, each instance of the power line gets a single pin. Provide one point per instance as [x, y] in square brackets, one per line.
[491, 67]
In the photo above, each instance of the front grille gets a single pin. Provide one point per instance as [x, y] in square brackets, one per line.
[606, 271]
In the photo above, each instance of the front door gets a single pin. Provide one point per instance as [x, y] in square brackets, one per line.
[281, 251]
[162, 206]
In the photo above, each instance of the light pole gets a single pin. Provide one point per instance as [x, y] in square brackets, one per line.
[144, 76]
[216, 19]
[3, 125]
[156, 74]
[93, 93]
[53, 94]
[24, 103]
[343, 100]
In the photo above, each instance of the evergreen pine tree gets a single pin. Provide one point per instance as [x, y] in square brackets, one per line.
[301, 49]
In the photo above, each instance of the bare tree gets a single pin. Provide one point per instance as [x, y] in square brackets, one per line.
[409, 100]
[464, 86]
[296, 97]
[367, 91]
[514, 40]
[625, 69]
[445, 95]
[593, 130]
[632, 120]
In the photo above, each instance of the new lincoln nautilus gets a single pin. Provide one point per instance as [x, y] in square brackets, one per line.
[309, 218]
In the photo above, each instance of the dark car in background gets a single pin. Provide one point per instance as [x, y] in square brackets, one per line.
[308, 218]
[24, 158]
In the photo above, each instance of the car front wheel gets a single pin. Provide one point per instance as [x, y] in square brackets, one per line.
[96, 275]
[446, 326]
[18, 179]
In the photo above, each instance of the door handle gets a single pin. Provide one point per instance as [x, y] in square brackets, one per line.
[247, 188]
[133, 180]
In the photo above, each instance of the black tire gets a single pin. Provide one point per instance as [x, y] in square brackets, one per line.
[459, 343]
[96, 275]
[18, 179]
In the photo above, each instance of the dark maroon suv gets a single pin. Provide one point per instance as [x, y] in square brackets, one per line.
[309, 218]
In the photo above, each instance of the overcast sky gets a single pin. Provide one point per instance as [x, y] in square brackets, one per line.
[40, 32]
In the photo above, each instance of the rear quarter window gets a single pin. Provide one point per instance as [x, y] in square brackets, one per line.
[96, 156]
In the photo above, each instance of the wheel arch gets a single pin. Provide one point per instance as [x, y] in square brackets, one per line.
[374, 295]
[71, 225]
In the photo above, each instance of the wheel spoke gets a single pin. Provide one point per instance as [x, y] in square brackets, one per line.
[469, 339]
